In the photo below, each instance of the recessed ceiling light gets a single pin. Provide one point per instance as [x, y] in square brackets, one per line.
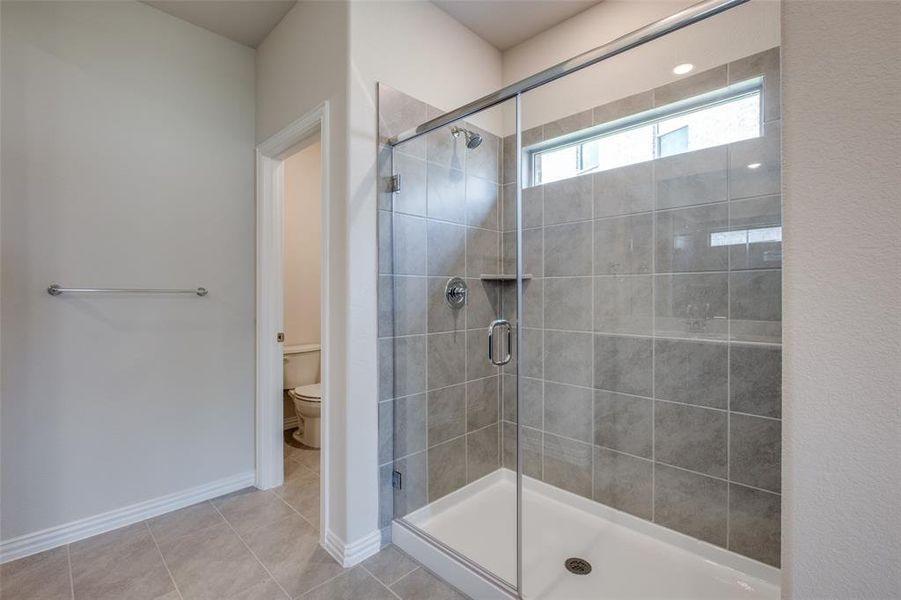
[754, 166]
[683, 68]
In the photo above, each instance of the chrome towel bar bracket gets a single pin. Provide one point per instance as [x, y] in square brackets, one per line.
[57, 290]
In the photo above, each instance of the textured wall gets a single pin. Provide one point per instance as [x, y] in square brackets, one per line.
[842, 435]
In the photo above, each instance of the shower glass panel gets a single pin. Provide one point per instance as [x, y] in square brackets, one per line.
[652, 326]
[447, 289]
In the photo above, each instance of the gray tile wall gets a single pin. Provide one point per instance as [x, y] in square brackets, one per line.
[652, 359]
[439, 397]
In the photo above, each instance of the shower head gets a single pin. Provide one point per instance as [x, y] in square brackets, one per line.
[473, 139]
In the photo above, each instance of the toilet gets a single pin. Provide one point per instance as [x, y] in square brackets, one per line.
[302, 387]
[307, 402]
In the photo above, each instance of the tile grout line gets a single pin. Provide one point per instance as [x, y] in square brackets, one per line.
[289, 505]
[71, 576]
[156, 544]
[382, 583]
[252, 553]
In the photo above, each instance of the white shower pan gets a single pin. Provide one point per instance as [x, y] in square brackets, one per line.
[631, 558]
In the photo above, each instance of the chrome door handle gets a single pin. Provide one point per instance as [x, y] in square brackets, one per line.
[491, 329]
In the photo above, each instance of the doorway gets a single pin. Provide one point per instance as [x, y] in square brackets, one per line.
[292, 442]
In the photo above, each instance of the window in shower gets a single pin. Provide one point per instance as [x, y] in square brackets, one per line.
[721, 117]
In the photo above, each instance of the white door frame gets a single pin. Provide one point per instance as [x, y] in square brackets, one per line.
[270, 222]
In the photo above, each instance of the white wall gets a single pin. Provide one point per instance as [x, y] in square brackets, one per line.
[301, 64]
[842, 355]
[419, 50]
[739, 32]
[301, 240]
[127, 147]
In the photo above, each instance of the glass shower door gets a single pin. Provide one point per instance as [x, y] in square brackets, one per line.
[447, 329]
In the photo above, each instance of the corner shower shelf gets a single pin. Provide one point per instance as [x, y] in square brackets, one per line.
[502, 278]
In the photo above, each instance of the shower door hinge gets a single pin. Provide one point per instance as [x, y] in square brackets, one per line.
[397, 481]
[394, 185]
[280, 336]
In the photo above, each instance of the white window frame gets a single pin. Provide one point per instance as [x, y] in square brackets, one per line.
[643, 119]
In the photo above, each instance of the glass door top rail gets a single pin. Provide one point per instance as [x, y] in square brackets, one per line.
[689, 16]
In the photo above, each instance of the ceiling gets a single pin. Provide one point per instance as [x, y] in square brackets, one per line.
[502, 23]
[247, 22]
[506, 23]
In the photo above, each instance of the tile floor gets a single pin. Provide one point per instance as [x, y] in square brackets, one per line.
[249, 545]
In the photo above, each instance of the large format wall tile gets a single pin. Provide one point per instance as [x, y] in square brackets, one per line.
[482, 452]
[482, 206]
[692, 305]
[624, 245]
[755, 305]
[532, 207]
[532, 393]
[402, 366]
[693, 504]
[624, 191]
[482, 251]
[531, 449]
[755, 523]
[691, 437]
[567, 249]
[446, 249]
[411, 199]
[755, 450]
[446, 414]
[481, 403]
[567, 303]
[410, 425]
[691, 178]
[623, 304]
[755, 380]
[446, 359]
[623, 364]
[684, 239]
[624, 423]
[567, 357]
[624, 482]
[409, 252]
[691, 372]
[755, 165]
[568, 200]
[567, 464]
[567, 411]
[413, 493]
[447, 468]
[758, 222]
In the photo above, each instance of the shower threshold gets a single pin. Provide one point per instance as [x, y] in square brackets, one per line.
[630, 558]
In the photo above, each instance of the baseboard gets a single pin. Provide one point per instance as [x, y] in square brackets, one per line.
[290, 423]
[354, 553]
[32, 543]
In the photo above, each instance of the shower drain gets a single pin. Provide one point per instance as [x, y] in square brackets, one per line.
[577, 566]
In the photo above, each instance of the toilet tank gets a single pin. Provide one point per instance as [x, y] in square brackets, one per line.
[301, 365]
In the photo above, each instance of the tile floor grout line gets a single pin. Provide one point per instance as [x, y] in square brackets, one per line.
[71, 577]
[253, 554]
[383, 584]
[299, 514]
[405, 576]
[405, 555]
[163, 558]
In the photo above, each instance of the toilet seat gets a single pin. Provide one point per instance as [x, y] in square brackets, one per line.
[310, 393]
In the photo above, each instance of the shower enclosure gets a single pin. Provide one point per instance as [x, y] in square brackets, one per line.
[580, 325]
